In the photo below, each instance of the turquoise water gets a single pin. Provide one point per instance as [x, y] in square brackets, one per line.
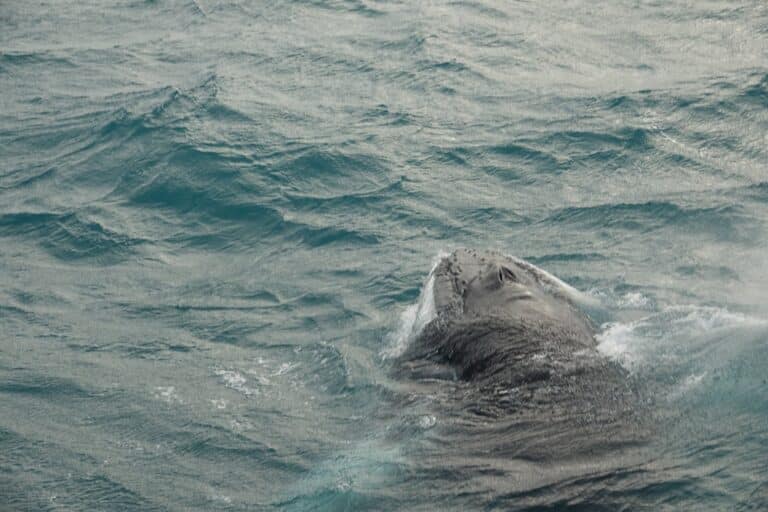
[216, 219]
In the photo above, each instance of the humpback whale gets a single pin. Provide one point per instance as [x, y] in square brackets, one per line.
[525, 353]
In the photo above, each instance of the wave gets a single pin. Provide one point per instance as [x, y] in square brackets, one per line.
[720, 221]
[46, 387]
[69, 237]
[21, 59]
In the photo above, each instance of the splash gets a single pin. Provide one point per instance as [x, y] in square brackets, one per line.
[670, 335]
[622, 301]
[235, 380]
[416, 316]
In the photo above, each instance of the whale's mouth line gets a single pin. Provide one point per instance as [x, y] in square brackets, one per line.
[522, 296]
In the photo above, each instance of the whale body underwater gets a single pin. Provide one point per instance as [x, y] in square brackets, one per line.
[524, 356]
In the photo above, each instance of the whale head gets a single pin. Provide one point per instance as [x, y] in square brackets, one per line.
[471, 286]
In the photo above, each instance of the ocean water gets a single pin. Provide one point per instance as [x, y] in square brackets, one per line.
[217, 221]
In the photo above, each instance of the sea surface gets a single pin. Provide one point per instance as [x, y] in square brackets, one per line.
[217, 218]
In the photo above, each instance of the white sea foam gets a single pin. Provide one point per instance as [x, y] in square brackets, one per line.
[428, 421]
[705, 318]
[629, 300]
[235, 380]
[167, 394]
[634, 300]
[619, 341]
[219, 403]
[690, 383]
[221, 498]
[668, 335]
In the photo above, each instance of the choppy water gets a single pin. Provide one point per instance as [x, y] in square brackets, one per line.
[216, 219]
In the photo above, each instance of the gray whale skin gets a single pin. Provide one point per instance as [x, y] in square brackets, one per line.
[502, 319]
[516, 336]
[510, 365]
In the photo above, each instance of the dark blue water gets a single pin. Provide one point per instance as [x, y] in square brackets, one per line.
[216, 219]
